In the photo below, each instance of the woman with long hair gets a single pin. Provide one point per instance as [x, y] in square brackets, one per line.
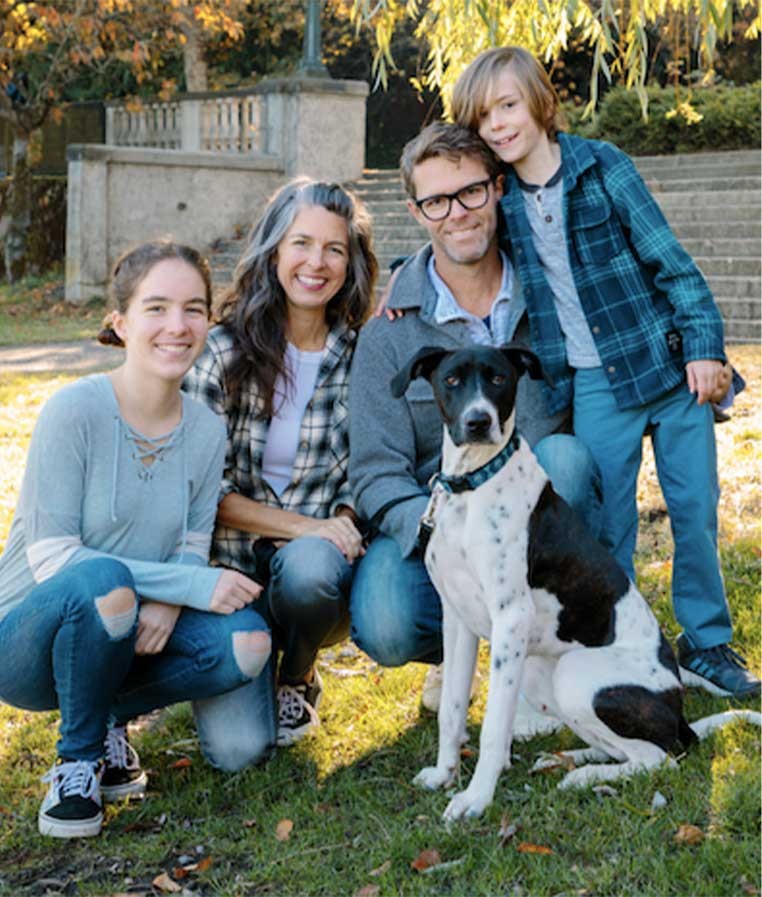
[108, 607]
[277, 369]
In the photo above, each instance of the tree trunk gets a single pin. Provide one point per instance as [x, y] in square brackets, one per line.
[19, 214]
[194, 63]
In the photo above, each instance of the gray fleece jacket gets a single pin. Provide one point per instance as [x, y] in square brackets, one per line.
[395, 444]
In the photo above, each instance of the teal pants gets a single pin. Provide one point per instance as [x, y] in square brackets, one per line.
[682, 433]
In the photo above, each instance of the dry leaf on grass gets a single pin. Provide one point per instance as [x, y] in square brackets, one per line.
[182, 763]
[164, 883]
[507, 829]
[250, 823]
[425, 859]
[368, 891]
[384, 867]
[526, 847]
[283, 829]
[689, 834]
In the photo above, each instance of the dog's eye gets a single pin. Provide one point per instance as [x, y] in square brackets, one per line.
[497, 379]
[452, 380]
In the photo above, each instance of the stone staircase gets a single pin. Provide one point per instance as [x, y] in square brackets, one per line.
[713, 202]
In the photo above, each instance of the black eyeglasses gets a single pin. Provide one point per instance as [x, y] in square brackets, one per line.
[472, 196]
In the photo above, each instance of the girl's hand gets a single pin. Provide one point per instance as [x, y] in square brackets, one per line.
[703, 378]
[341, 531]
[233, 591]
[156, 621]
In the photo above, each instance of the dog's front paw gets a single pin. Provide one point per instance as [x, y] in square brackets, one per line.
[433, 777]
[466, 805]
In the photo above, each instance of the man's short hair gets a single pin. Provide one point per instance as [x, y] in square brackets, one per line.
[442, 139]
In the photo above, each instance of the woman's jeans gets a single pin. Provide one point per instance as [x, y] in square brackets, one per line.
[397, 612]
[306, 602]
[57, 651]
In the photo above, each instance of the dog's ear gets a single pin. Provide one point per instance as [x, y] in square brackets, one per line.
[524, 360]
[422, 364]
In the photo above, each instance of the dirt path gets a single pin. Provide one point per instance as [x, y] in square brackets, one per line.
[78, 357]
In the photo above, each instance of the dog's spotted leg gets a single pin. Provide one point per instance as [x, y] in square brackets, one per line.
[460, 647]
[642, 755]
[510, 628]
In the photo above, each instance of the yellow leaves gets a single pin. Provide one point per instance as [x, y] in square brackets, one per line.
[686, 111]
[688, 835]
[283, 830]
[426, 859]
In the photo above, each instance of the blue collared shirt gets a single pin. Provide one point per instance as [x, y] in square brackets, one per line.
[648, 306]
[504, 316]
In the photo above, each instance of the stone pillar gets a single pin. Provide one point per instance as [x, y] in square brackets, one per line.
[87, 257]
[322, 126]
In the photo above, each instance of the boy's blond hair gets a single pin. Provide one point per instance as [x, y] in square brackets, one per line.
[474, 88]
[443, 139]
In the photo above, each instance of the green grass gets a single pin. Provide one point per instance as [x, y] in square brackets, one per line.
[33, 311]
[348, 790]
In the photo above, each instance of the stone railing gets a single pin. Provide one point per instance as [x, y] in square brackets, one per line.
[235, 122]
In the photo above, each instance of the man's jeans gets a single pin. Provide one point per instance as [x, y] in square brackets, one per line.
[56, 652]
[395, 609]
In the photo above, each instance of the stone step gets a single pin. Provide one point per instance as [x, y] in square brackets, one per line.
[695, 231]
[723, 265]
[691, 160]
[721, 246]
[729, 287]
[738, 330]
[738, 309]
[688, 184]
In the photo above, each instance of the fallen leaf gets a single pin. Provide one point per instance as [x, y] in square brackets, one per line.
[689, 834]
[250, 823]
[526, 847]
[182, 763]
[283, 829]
[747, 887]
[384, 867]
[425, 859]
[467, 752]
[507, 829]
[368, 891]
[181, 872]
[203, 865]
[164, 883]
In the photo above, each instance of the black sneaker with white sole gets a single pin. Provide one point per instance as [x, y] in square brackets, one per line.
[718, 670]
[72, 807]
[122, 775]
[297, 710]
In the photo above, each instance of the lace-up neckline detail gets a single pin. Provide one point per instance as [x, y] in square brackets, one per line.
[149, 449]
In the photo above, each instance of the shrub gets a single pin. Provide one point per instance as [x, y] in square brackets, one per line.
[730, 119]
[46, 240]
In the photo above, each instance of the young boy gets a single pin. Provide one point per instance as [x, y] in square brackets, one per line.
[627, 329]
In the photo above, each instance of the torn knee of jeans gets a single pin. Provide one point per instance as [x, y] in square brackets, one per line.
[118, 611]
[251, 650]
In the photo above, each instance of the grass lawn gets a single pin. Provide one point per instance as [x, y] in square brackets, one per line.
[357, 822]
[33, 311]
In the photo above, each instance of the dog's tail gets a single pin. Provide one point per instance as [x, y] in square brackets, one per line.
[709, 724]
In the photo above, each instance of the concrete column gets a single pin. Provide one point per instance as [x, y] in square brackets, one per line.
[190, 125]
[87, 257]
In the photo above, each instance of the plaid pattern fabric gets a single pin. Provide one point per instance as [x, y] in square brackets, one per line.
[319, 480]
[649, 308]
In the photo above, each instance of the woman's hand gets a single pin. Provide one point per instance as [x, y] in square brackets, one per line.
[341, 531]
[703, 378]
[233, 591]
[156, 621]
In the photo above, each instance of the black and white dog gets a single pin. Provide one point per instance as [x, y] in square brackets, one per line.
[513, 564]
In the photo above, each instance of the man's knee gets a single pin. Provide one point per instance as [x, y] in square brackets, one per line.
[306, 570]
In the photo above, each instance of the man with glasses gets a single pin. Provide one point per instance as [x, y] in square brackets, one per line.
[457, 290]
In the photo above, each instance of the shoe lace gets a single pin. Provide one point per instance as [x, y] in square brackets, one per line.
[119, 752]
[76, 777]
[732, 656]
[292, 705]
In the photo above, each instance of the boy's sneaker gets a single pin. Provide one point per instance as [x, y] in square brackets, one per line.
[431, 695]
[72, 807]
[718, 670]
[122, 775]
[297, 710]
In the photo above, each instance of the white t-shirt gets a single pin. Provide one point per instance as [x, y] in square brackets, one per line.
[289, 407]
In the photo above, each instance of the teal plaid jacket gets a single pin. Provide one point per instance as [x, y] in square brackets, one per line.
[648, 306]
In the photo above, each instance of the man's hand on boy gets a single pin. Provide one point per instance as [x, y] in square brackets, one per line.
[704, 379]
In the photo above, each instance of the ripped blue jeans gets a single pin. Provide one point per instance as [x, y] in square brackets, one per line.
[57, 651]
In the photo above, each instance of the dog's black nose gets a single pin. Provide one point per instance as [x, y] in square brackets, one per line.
[478, 423]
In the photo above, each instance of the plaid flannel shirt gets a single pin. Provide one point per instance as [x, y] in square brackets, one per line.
[319, 479]
[648, 307]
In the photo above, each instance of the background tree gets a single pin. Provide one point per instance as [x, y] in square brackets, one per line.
[45, 50]
[617, 34]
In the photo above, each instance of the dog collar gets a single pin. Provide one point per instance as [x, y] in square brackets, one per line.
[467, 482]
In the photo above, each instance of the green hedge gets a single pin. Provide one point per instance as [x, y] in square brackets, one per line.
[46, 240]
[730, 120]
